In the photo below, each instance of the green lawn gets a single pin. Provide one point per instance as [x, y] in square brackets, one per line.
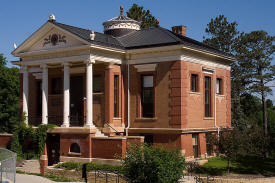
[256, 166]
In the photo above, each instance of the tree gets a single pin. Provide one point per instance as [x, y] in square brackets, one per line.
[9, 96]
[145, 163]
[222, 35]
[144, 16]
[255, 50]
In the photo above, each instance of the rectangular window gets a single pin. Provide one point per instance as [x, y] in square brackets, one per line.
[97, 84]
[219, 86]
[147, 92]
[195, 144]
[116, 95]
[56, 85]
[194, 82]
[207, 90]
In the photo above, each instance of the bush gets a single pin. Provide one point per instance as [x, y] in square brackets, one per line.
[90, 166]
[145, 163]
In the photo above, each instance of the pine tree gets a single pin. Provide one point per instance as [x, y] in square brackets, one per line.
[255, 50]
[144, 16]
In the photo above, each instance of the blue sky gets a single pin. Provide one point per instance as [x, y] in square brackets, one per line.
[19, 19]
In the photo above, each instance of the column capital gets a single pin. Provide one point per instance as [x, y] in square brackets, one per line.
[90, 60]
[66, 64]
[110, 66]
[44, 66]
[24, 68]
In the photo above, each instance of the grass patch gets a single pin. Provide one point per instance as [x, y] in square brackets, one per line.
[90, 166]
[247, 165]
[51, 177]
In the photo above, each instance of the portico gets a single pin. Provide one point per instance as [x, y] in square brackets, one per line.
[83, 93]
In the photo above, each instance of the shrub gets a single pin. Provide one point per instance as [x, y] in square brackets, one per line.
[90, 166]
[146, 163]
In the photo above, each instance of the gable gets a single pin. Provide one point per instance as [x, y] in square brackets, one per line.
[49, 37]
[54, 39]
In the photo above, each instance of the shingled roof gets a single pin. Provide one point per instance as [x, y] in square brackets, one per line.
[151, 37]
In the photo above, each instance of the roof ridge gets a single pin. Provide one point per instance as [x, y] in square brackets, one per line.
[169, 33]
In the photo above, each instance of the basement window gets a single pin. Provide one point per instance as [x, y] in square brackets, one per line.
[75, 148]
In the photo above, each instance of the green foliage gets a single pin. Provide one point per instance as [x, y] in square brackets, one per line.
[90, 166]
[29, 142]
[248, 165]
[255, 50]
[9, 96]
[144, 16]
[221, 34]
[236, 143]
[145, 163]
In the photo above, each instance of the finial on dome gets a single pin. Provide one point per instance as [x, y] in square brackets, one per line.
[121, 10]
[157, 21]
[51, 17]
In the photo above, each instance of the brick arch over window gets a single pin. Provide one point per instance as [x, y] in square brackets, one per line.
[75, 148]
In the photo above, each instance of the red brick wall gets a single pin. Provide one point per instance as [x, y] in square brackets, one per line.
[186, 144]
[108, 148]
[84, 142]
[134, 140]
[202, 144]
[5, 140]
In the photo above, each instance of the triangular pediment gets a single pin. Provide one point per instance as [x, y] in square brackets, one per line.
[49, 37]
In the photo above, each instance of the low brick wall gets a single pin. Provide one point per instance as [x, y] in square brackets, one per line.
[5, 139]
[108, 147]
[134, 140]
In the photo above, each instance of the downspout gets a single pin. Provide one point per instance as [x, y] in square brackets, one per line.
[128, 98]
[215, 105]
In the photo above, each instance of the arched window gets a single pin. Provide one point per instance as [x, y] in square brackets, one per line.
[75, 148]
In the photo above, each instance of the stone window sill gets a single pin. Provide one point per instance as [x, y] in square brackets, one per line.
[208, 118]
[74, 154]
[220, 95]
[146, 119]
[194, 93]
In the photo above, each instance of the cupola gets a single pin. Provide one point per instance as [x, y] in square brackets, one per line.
[120, 25]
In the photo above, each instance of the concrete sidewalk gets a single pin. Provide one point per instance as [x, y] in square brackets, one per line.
[24, 178]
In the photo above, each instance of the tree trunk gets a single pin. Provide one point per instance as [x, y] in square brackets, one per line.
[264, 116]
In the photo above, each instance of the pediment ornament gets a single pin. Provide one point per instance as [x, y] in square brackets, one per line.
[54, 39]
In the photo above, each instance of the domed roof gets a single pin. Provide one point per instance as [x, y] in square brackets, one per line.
[120, 24]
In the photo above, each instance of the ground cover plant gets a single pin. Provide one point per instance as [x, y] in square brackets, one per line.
[248, 165]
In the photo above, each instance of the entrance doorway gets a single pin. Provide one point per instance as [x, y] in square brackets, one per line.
[53, 148]
[76, 101]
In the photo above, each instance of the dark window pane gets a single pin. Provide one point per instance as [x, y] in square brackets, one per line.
[116, 96]
[56, 86]
[207, 90]
[75, 148]
[97, 84]
[195, 144]
[194, 82]
[219, 86]
[147, 96]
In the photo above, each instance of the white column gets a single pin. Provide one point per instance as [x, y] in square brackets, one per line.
[66, 107]
[45, 94]
[25, 92]
[89, 93]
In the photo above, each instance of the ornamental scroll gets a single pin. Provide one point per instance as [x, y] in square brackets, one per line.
[54, 39]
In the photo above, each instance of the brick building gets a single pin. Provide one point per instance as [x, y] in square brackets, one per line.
[103, 90]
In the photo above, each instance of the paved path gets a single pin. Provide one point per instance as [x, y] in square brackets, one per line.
[31, 166]
[24, 178]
